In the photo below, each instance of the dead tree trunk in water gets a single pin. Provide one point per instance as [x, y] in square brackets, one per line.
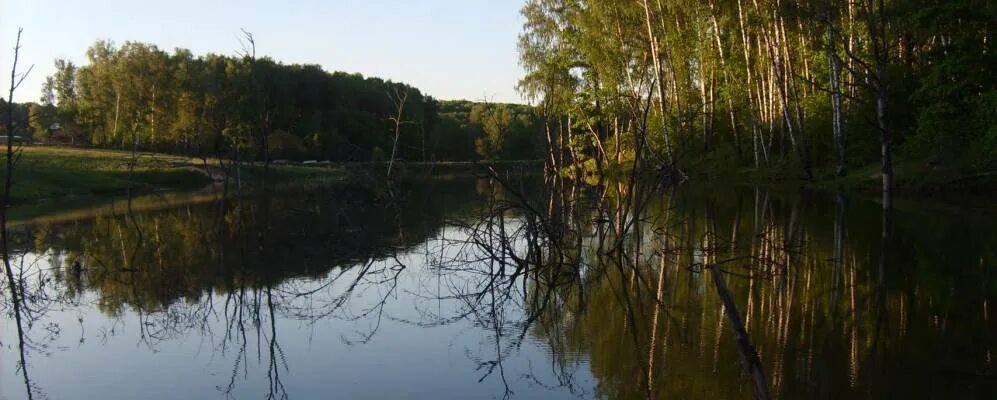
[8, 183]
[399, 99]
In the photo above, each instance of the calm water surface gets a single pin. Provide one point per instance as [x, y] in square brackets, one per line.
[467, 290]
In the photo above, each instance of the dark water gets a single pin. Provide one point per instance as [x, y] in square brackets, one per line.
[467, 290]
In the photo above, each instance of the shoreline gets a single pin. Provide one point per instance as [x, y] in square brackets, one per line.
[50, 177]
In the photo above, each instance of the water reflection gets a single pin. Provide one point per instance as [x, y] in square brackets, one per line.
[510, 288]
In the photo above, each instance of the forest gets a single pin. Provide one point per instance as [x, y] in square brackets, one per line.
[816, 87]
[226, 216]
[820, 87]
[139, 96]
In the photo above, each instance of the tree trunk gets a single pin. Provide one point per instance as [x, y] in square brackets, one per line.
[550, 145]
[394, 147]
[886, 146]
[399, 100]
[778, 72]
[659, 80]
[16, 290]
[726, 79]
[834, 69]
[753, 116]
[876, 23]
[117, 109]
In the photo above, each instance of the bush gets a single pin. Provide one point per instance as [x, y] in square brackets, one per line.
[284, 145]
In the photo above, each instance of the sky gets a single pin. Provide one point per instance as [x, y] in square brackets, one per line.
[450, 49]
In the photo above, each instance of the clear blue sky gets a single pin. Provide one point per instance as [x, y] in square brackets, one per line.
[451, 49]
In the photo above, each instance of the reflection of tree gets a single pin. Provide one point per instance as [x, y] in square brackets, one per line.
[253, 310]
[504, 270]
[231, 270]
[151, 260]
[664, 292]
[15, 283]
[707, 295]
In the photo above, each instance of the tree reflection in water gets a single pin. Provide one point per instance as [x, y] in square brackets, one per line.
[650, 291]
[607, 264]
[544, 260]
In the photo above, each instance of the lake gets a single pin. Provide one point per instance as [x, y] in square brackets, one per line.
[476, 289]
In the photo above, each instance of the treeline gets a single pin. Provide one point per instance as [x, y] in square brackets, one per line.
[138, 96]
[470, 130]
[812, 84]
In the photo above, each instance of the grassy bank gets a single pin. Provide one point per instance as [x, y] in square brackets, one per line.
[48, 172]
[54, 172]
[45, 173]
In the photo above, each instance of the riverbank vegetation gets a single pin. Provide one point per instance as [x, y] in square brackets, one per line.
[815, 87]
[624, 90]
[50, 172]
[771, 90]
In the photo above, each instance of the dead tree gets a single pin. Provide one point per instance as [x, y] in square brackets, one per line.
[258, 88]
[398, 98]
[11, 159]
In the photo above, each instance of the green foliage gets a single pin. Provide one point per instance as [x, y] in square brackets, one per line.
[21, 114]
[744, 81]
[491, 131]
[495, 122]
[284, 145]
[138, 95]
[955, 84]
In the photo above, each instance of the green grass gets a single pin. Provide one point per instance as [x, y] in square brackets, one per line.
[56, 172]
[47, 173]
